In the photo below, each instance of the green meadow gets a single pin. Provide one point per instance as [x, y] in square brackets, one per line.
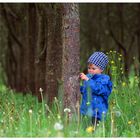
[23, 116]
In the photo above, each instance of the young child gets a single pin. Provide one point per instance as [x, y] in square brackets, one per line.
[96, 89]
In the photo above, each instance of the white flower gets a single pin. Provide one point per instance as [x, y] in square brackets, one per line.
[30, 111]
[58, 126]
[40, 89]
[67, 110]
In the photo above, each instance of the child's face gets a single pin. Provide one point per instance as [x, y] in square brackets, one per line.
[92, 69]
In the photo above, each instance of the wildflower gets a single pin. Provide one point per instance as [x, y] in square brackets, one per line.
[58, 126]
[40, 89]
[112, 62]
[129, 122]
[67, 110]
[30, 111]
[58, 116]
[119, 59]
[89, 129]
[39, 111]
[135, 102]
[11, 118]
[123, 84]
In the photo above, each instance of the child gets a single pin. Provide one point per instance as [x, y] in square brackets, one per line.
[96, 89]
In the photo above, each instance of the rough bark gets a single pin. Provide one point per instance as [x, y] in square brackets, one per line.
[71, 26]
[54, 53]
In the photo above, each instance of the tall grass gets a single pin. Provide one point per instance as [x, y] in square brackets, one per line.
[23, 116]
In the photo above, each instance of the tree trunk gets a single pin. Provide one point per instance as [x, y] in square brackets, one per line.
[40, 60]
[54, 53]
[71, 61]
[32, 37]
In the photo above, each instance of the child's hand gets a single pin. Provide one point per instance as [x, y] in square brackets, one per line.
[83, 77]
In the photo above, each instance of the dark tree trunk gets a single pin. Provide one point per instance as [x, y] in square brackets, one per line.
[54, 52]
[32, 41]
[40, 60]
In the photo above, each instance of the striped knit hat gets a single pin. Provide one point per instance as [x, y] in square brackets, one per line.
[99, 59]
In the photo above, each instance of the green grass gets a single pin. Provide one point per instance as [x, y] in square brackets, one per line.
[23, 116]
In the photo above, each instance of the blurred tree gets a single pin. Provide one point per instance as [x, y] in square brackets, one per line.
[43, 49]
[107, 27]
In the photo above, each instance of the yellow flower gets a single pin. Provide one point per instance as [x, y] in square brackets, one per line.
[129, 122]
[119, 59]
[90, 129]
[123, 84]
[112, 62]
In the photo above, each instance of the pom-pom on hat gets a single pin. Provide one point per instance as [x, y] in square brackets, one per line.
[99, 59]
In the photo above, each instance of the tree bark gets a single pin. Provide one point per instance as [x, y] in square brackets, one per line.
[71, 50]
[53, 53]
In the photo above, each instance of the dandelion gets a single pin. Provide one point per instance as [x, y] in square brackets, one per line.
[129, 122]
[58, 126]
[30, 111]
[67, 110]
[58, 116]
[112, 62]
[89, 129]
[119, 59]
[123, 84]
[40, 89]
[11, 118]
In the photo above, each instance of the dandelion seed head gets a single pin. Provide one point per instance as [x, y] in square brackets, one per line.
[40, 89]
[67, 110]
[30, 111]
[58, 126]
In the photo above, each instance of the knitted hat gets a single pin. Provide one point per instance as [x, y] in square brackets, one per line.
[99, 59]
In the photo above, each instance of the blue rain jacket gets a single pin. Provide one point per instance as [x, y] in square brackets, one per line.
[95, 93]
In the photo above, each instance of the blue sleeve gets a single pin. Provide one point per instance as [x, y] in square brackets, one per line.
[102, 86]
